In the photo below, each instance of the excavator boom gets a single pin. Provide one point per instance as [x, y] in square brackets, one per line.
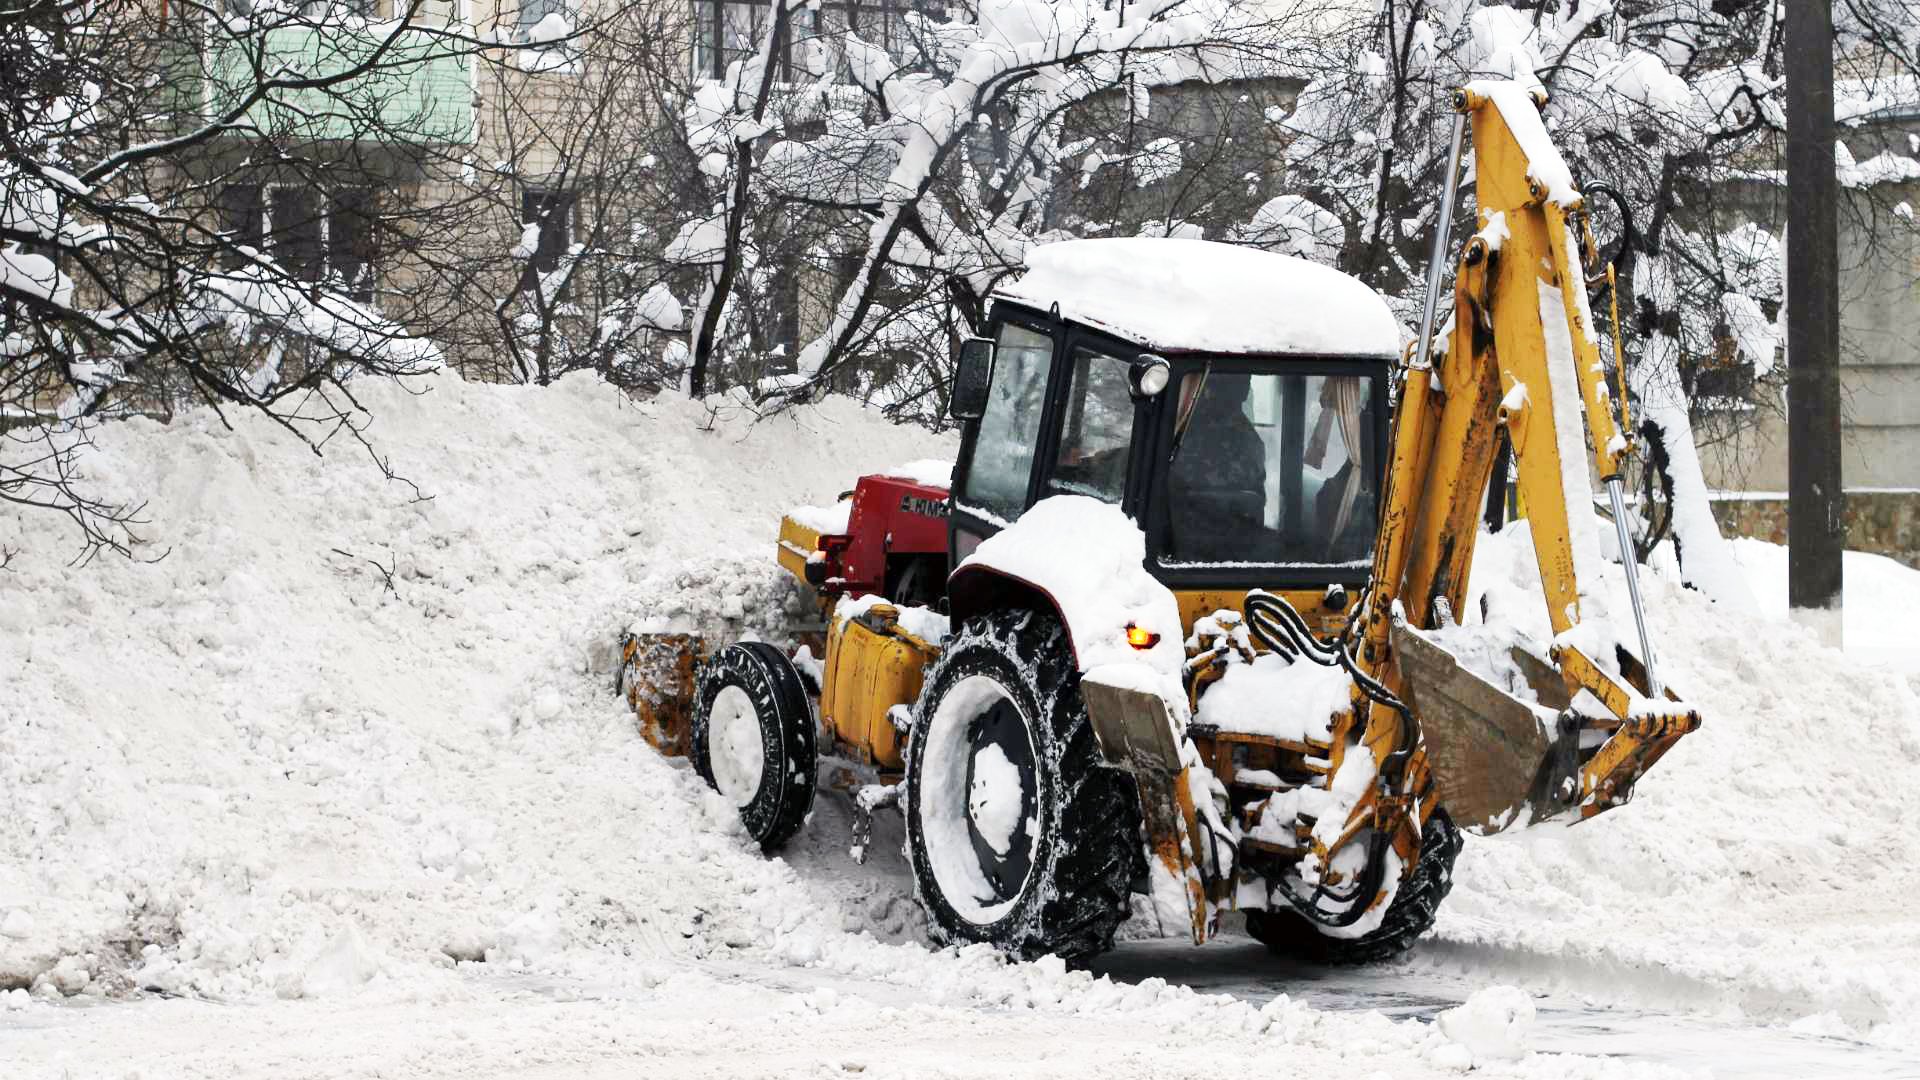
[1521, 365]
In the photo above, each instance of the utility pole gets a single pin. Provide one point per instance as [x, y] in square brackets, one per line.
[1815, 500]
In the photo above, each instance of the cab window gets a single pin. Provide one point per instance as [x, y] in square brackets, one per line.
[1273, 469]
[1009, 432]
[1096, 432]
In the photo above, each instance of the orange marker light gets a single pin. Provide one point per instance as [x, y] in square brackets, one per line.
[1141, 638]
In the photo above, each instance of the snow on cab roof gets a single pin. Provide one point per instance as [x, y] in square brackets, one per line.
[1202, 296]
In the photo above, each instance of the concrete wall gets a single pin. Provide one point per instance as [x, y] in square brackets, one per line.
[1879, 367]
[1879, 341]
[1884, 522]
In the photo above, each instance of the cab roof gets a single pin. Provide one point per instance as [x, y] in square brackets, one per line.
[1176, 295]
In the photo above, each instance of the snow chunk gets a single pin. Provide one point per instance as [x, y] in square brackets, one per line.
[994, 800]
[553, 26]
[1563, 388]
[657, 308]
[529, 241]
[825, 520]
[1495, 232]
[928, 473]
[924, 623]
[1157, 161]
[1493, 1025]
[17, 924]
[701, 240]
[1208, 296]
[1295, 225]
[1755, 334]
[346, 964]
[1273, 697]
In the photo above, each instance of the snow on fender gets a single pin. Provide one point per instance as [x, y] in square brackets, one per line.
[1089, 559]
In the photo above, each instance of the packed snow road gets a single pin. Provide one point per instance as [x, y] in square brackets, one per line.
[267, 810]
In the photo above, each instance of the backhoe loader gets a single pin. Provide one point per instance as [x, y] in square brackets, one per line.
[1177, 624]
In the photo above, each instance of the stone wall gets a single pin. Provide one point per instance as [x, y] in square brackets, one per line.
[1885, 522]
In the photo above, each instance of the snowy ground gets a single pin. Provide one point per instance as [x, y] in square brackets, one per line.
[262, 813]
[1879, 602]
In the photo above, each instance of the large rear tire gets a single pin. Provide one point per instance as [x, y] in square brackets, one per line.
[753, 739]
[1410, 914]
[1018, 835]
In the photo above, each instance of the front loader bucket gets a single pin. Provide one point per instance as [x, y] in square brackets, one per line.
[1136, 735]
[657, 674]
[1498, 760]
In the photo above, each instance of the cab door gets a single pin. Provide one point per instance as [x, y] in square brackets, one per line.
[1091, 448]
[1060, 419]
[994, 480]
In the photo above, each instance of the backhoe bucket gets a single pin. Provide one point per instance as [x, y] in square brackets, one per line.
[1498, 760]
[657, 679]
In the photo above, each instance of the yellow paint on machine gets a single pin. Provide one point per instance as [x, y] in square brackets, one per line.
[1323, 618]
[872, 665]
[797, 543]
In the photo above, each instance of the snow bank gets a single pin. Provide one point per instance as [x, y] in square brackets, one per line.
[415, 815]
[345, 717]
[1765, 865]
[1878, 607]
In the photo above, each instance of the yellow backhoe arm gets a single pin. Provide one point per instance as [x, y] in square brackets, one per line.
[1522, 362]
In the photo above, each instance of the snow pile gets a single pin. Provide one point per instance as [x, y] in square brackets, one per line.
[1878, 607]
[1243, 699]
[1764, 866]
[345, 718]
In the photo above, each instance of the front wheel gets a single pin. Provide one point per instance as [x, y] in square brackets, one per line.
[1017, 833]
[1410, 914]
[753, 739]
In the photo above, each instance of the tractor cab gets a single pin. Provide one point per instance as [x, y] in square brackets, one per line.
[1231, 401]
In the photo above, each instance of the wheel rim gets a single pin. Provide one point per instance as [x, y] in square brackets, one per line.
[978, 799]
[734, 750]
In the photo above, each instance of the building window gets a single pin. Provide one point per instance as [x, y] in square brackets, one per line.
[533, 12]
[295, 230]
[315, 236]
[242, 219]
[319, 11]
[553, 212]
[728, 30]
[350, 240]
[333, 10]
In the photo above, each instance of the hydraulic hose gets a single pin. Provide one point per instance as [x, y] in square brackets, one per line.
[1276, 624]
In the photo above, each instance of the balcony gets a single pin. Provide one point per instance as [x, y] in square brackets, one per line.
[421, 92]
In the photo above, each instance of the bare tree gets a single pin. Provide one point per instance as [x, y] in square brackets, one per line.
[197, 200]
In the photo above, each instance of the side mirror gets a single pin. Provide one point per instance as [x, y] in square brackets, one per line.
[970, 378]
[1148, 375]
